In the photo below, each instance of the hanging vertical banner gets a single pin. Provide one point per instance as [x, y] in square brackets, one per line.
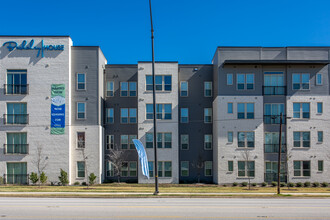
[58, 109]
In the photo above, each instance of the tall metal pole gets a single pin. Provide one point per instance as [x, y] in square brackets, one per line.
[154, 102]
[279, 158]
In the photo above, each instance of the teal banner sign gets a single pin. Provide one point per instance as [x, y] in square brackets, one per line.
[58, 109]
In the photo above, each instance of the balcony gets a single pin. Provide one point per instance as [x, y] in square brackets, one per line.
[16, 119]
[273, 148]
[271, 177]
[274, 119]
[16, 148]
[12, 89]
[274, 90]
[19, 179]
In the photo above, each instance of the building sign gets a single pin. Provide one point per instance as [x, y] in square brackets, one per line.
[12, 45]
[58, 109]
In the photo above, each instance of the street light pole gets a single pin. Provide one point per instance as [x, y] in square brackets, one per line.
[154, 102]
[279, 158]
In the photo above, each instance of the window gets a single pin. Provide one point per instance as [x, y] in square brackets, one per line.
[132, 169]
[163, 82]
[80, 139]
[245, 139]
[320, 136]
[109, 115]
[127, 89]
[184, 142]
[272, 113]
[165, 169]
[301, 110]
[16, 82]
[319, 79]
[164, 140]
[319, 107]
[245, 110]
[151, 168]
[124, 169]
[128, 115]
[15, 170]
[208, 89]
[110, 88]
[184, 168]
[183, 89]
[16, 113]
[230, 166]
[207, 115]
[110, 142]
[132, 89]
[300, 81]
[129, 169]
[131, 143]
[271, 171]
[274, 83]
[272, 142]
[110, 169]
[16, 143]
[230, 136]
[301, 139]
[163, 111]
[230, 108]
[320, 166]
[208, 168]
[246, 168]
[80, 169]
[229, 79]
[81, 110]
[208, 142]
[301, 168]
[81, 81]
[184, 115]
[127, 141]
[245, 81]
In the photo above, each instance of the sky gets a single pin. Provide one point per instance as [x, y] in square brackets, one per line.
[187, 31]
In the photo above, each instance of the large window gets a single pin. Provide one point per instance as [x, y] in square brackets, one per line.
[184, 142]
[300, 81]
[110, 89]
[207, 115]
[184, 168]
[301, 110]
[208, 89]
[208, 141]
[208, 168]
[164, 140]
[245, 110]
[110, 142]
[129, 169]
[246, 168]
[272, 142]
[274, 83]
[127, 89]
[126, 141]
[273, 112]
[81, 140]
[81, 110]
[271, 171]
[17, 173]
[128, 115]
[16, 143]
[245, 81]
[165, 169]
[16, 113]
[109, 116]
[163, 111]
[302, 168]
[16, 82]
[81, 81]
[301, 139]
[183, 88]
[110, 169]
[80, 169]
[184, 116]
[163, 82]
[245, 139]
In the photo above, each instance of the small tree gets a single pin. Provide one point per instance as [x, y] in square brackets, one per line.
[63, 178]
[34, 178]
[91, 179]
[40, 161]
[43, 178]
[246, 156]
[199, 165]
[116, 156]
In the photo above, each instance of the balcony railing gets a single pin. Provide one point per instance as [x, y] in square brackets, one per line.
[20, 179]
[16, 148]
[273, 148]
[12, 89]
[13, 119]
[274, 119]
[274, 90]
[271, 177]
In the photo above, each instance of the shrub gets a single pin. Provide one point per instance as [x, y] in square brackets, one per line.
[316, 184]
[282, 184]
[253, 184]
[324, 184]
[274, 183]
[76, 183]
[264, 184]
[84, 184]
[235, 184]
[244, 184]
[91, 179]
[299, 184]
[224, 185]
[43, 178]
[34, 177]
[63, 178]
[291, 184]
[307, 184]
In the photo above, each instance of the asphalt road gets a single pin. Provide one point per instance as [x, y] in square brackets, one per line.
[163, 208]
